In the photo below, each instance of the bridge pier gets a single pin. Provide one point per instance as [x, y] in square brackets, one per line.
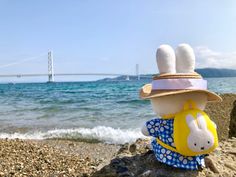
[50, 67]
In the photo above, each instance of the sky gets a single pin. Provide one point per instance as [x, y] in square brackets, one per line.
[108, 36]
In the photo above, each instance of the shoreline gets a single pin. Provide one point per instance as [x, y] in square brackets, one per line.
[221, 113]
[58, 157]
[67, 158]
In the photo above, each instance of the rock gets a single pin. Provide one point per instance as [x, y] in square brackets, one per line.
[71, 144]
[124, 149]
[210, 164]
[141, 165]
[132, 148]
[210, 175]
[224, 115]
[232, 127]
[146, 173]
[232, 152]
[230, 166]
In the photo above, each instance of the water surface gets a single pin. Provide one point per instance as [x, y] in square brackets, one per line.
[106, 111]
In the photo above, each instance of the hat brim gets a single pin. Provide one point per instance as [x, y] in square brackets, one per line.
[147, 93]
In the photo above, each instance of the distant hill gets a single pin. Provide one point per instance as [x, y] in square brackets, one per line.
[205, 72]
[214, 72]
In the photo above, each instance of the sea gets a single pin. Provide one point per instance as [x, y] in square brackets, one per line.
[98, 111]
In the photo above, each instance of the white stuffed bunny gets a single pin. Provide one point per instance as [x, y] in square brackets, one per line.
[169, 91]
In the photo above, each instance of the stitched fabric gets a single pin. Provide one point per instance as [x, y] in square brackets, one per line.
[163, 129]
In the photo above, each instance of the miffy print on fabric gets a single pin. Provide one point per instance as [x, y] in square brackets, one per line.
[200, 138]
[183, 133]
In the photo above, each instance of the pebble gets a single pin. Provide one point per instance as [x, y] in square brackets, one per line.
[132, 148]
[146, 173]
[211, 165]
[230, 166]
[210, 175]
[232, 152]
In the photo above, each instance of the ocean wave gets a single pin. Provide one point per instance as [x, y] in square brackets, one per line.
[99, 133]
[134, 102]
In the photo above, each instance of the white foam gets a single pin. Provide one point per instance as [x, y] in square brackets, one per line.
[101, 133]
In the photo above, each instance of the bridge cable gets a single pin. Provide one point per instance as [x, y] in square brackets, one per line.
[22, 61]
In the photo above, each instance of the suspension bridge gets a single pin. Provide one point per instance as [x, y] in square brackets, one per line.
[51, 75]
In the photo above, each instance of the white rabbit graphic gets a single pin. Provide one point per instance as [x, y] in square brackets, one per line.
[200, 138]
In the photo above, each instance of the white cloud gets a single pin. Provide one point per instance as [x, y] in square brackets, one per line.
[206, 57]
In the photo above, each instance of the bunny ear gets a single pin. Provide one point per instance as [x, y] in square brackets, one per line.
[191, 123]
[185, 59]
[201, 122]
[166, 59]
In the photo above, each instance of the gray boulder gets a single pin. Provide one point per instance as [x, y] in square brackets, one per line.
[141, 165]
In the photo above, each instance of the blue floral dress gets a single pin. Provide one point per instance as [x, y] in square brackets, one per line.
[163, 129]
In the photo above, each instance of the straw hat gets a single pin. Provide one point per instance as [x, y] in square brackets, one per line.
[177, 75]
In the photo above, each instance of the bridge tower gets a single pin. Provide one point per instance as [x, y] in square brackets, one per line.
[137, 71]
[50, 67]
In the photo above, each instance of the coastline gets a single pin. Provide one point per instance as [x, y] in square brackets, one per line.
[72, 158]
[66, 158]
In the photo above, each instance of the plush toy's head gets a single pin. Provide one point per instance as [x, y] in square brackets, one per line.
[172, 104]
[177, 82]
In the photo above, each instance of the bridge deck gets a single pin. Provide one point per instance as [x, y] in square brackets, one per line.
[63, 74]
